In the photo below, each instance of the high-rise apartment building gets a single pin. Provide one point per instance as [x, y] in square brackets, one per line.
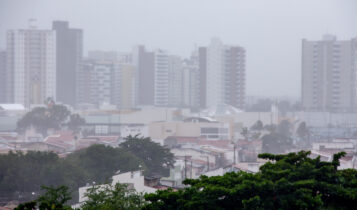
[69, 52]
[202, 68]
[234, 76]
[175, 81]
[3, 76]
[106, 82]
[190, 85]
[144, 62]
[161, 79]
[329, 74]
[158, 78]
[225, 74]
[95, 83]
[126, 87]
[31, 66]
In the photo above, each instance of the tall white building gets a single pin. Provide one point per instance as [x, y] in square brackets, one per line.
[329, 74]
[31, 66]
[95, 82]
[161, 71]
[106, 82]
[191, 82]
[215, 73]
[175, 81]
[225, 74]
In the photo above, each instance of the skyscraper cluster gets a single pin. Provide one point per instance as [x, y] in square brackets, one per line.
[49, 63]
[39, 64]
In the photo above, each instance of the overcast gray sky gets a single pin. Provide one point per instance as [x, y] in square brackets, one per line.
[270, 30]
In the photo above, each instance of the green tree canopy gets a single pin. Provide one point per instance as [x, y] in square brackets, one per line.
[291, 181]
[24, 173]
[53, 116]
[257, 125]
[55, 198]
[279, 139]
[101, 162]
[75, 122]
[21, 174]
[119, 196]
[303, 133]
[157, 158]
[44, 118]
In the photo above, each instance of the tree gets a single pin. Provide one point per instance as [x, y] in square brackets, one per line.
[279, 139]
[290, 181]
[284, 128]
[157, 158]
[119, 196]
[21, 174]
[75, 122]
[245, 133]
[53, 198]
[42, 118]
[257, 126]
[303, 133]
[101, 162]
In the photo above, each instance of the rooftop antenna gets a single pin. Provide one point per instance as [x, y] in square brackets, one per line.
[32, 23]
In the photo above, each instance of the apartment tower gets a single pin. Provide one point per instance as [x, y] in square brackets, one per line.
[329, 74]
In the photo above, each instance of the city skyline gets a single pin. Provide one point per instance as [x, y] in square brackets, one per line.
[273, 43]
[222, 70]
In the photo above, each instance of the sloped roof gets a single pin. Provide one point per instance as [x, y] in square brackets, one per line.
[221, 110]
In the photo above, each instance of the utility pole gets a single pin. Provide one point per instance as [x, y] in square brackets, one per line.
[191, 170]
[207, 163]
[185, 166]
[234, 154]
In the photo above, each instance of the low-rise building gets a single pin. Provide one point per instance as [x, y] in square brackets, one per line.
[134, 180]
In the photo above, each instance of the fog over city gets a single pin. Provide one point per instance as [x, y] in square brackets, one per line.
[271, 31]
[163, 104]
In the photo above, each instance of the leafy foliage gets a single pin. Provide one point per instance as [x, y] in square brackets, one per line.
[279, 139]
[118, 196]
[51, 117]
[75, 122]
[257, 125]
[100, 162]
[53, 198]
[157, 159]
[303, 133]
[42, 118]
[291, 181]
[21, 174]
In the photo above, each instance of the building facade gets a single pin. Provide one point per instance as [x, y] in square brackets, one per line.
[175, 81]
[225, 74]
[3, 77]
[95, 82]
[329, 74]
[161, 80]
[69, 52]
[106, 82]
[123, 88]
[202, 67]
[31, 66]
[144, 62]
[191, 83]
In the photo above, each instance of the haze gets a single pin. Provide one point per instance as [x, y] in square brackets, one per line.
[270, 31]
